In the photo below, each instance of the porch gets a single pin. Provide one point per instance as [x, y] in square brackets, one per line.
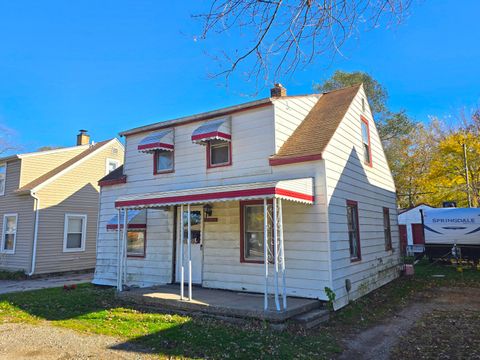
[224, 303]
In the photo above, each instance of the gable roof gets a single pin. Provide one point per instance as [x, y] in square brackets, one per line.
[312, 136]
[59, 169]
[113, 178]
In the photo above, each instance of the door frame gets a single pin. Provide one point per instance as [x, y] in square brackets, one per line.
[178, 230]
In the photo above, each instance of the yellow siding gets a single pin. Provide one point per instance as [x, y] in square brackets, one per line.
[37, 165]
[74, 192]
[23, 206]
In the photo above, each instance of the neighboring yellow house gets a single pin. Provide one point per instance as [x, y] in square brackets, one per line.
[49, 206]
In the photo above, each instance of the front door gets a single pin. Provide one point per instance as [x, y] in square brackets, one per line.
[417, 231]
[196, 219]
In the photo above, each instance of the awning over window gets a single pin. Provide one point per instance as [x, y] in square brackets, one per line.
[162, 140]
[299, 190]
[213, 130]
[137, 219]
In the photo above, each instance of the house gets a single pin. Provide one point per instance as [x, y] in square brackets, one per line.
[411, 229]
[49, 206]
[304, 177]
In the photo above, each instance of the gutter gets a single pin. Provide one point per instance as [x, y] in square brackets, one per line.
[35, 234]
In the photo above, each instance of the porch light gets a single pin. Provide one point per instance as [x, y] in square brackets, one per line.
[207, 208]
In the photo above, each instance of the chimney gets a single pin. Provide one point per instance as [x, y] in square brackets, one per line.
[278, 91]
[83, 138]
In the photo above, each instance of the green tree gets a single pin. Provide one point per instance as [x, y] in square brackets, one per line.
[390, 125]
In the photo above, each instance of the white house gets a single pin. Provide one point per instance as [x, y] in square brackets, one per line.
[411, 228]
[303, 176]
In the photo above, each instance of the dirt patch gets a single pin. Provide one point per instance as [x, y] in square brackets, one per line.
[23, 341]
[398, 336]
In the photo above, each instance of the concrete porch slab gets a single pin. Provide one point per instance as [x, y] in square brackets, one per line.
[219, 302]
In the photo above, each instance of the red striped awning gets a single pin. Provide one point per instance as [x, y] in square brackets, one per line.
[213, 130]
[298, 190]
[137, 219]
[162, 140]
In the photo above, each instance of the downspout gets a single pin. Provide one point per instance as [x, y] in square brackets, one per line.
[35, 234]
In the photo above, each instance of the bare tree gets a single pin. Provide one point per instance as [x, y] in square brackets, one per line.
[6, 144]
[286, 34]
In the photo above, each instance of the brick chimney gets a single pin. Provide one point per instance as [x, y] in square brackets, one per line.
[278, 91]
[83, 138]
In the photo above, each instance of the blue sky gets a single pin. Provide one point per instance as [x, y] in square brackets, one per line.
[108, 66]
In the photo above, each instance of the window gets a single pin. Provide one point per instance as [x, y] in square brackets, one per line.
[353, 230]
[112, 164]
[219, 153]
[9, 233]
[136, 242]
[163, 161]
[387, 229]
[367, 150]
[3, 177]
[74, 232]
[252, 232]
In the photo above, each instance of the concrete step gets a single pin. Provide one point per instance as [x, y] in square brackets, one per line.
[312, 318]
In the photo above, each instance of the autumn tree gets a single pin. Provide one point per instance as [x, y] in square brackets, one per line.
[270, 39]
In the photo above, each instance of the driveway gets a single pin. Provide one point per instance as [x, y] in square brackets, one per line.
[10, 286]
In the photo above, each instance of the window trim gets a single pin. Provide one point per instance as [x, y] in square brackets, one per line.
[389, 245]
[366, 122]
[108, 161]
[5, 179]
[242, 230]
[136, 256]
[166, 171]
[209, 162]
[65, 233]
[359, 258]
[4, 225]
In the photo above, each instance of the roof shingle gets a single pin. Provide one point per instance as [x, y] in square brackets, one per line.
[312, 136]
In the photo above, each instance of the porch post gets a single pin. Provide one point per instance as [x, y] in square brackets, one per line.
[182, 241]
[189, 239]
[282, 254]
[119, 251]
[125, 231]
[275, 251]
[265, 251]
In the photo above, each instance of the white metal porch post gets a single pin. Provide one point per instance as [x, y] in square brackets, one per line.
[119, 251]
[189, 239]
[275, 251]
[124, 247]
[182, 241]
[282, 254]
[265, 251]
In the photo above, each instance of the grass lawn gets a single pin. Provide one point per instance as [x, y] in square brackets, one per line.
[96, 310]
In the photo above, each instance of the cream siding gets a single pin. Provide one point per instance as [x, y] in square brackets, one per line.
[348, 178]
[76, 191]
[33, 166]
[23, 205]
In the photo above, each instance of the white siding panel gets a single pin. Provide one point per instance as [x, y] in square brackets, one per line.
[348, 178]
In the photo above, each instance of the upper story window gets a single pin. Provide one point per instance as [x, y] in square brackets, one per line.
[9, 233]
[3, 178]
[216, 135]
[162, 161]
[75, 232]
[111, 165]
[219, 153]
[367, 149]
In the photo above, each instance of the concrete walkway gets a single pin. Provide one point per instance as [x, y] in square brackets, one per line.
[10, 286]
